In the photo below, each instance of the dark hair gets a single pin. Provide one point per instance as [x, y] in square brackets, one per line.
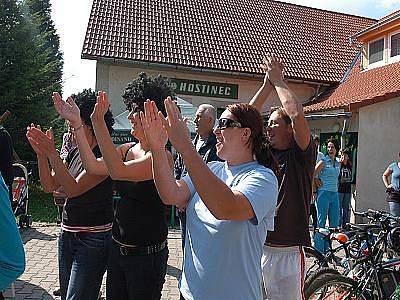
[86, 101]
[155, 88]
[249, 117]
[282, 113]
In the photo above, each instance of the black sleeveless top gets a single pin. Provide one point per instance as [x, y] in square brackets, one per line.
[92, 208]
[140, 214]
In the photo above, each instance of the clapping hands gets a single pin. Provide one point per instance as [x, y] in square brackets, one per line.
[101, 107]
[41, 142]
[67, 109]
[274, 69]
[157, 128]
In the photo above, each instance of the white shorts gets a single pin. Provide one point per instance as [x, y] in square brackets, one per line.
[283, 273]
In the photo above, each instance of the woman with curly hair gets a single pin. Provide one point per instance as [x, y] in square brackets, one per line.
[88, 212]
[139, 253]
[229, 205]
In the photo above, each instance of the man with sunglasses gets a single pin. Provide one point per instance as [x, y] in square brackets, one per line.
[290, 139]
[204, 142]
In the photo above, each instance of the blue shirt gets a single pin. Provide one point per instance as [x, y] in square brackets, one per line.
[329, 175]
[223, 258]
[12, 256]
[395, 181]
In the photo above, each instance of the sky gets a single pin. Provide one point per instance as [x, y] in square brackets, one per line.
[71, 18]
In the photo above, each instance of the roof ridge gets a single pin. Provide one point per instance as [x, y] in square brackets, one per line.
[324, 10]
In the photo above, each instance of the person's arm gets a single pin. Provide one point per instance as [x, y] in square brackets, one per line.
[290, 102]
[72, 186]
[133, 170]
[47, 179]
[385, 177]
[262, 94]
[222, 202]
[320, 165]
[70, 111]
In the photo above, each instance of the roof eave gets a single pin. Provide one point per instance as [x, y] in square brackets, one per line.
[203, 70]
[365, 31]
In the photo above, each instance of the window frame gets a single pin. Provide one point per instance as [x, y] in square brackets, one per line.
[397, 57]
[380, 62]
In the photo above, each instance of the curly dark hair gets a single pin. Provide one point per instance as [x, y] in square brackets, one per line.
[144, 87]
[86, 101]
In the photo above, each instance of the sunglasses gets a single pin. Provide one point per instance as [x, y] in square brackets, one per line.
[224, 123]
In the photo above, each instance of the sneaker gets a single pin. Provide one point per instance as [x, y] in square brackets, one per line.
[57, 293]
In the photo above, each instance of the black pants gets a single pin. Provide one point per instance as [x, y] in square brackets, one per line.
[135, 277]
[313, 211]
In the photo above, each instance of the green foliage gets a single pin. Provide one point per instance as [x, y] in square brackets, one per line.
[30, 68]
[41, 205]
[155, 88]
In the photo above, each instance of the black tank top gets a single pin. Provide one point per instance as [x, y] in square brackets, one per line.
[140, 214]
[92, 208]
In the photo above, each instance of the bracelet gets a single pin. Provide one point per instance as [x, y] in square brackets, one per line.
[79, 127]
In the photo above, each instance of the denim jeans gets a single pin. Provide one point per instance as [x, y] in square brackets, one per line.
[135, 277]
[344, 216]
[394, 209]
[82, 258]
[327, 206]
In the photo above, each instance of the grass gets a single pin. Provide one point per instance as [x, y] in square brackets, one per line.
[41, 206]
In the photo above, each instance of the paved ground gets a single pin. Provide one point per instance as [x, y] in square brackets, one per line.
[40, 278]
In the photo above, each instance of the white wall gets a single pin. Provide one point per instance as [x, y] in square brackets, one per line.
[379, 145]
[114, 79]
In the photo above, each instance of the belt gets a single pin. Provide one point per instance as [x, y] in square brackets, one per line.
[142, 250]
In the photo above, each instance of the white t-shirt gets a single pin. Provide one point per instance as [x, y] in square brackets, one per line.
[223, 258]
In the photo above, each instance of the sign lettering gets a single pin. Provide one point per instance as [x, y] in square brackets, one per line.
[204, 88]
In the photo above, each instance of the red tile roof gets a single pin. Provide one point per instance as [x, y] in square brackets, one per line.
[224, 35]
[362, 88]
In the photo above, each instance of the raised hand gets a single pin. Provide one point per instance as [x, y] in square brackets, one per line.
[153, 126]
[178, 132]
[67, 109]
[101, 107]
[42, 142]
[274, 69]
[33, 143]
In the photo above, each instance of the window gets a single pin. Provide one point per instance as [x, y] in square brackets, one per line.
[395, 45]
[375, 51]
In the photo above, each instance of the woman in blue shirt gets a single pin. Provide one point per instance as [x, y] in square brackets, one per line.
[12, 256]
[229, 205]
[327, 202]
[393, 188]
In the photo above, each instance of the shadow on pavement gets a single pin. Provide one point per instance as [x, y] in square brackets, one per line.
[26, 290]
[28, 234]
[172, 271]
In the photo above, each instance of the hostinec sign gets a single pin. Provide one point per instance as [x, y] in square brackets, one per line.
[204, 88]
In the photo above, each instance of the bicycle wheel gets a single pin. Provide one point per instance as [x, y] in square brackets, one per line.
[317, 275]
[314, 261]
[334, 287]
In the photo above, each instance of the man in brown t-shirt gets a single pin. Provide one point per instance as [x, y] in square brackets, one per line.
[289, 135]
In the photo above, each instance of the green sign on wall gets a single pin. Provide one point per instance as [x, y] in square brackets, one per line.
[204, 88]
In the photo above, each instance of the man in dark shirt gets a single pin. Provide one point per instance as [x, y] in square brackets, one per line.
[204, 142]
[289, 136]
[6, 159]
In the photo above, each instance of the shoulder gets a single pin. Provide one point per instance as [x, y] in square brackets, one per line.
[216, 165]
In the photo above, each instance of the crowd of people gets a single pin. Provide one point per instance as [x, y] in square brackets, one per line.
[244, 194]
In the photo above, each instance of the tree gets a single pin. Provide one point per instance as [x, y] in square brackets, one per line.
[30, 69]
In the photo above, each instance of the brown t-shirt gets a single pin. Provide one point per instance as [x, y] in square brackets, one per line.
[293, 206]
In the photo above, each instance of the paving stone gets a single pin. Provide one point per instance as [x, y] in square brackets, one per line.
[41, 275]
